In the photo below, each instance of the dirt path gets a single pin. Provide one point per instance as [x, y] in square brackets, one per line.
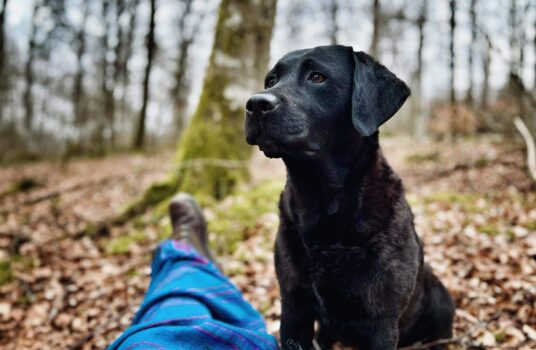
[67, 282]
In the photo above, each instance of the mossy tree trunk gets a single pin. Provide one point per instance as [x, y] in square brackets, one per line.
[239, 58]
[236, 68]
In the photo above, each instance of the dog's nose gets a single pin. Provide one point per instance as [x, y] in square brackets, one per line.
[261, 103]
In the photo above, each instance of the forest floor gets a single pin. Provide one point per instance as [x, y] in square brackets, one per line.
[69, 281]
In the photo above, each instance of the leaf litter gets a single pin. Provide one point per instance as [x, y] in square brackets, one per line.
[69, 281]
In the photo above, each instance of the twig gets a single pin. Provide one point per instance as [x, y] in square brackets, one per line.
[459, 339]
[531, 147]
[433, 343]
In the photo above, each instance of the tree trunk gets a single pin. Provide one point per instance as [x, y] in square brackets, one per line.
[29, 75]
[376, 15]
[514, 43]
[416, 113]
[534, 49]
[139, 140]
[108, 105]
[80, 118]
[117, 65]
[179, 91]
[125, 76]
[469, 99]
[333, 28]
[452, 67]
[452, 53]
[3, 55]
[2, 34]
[237, 65]
[486, 67]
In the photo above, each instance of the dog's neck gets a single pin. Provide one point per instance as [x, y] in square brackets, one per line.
[320, 184]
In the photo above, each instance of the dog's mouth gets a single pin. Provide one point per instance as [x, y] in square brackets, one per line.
[296, 149]
[278, 138]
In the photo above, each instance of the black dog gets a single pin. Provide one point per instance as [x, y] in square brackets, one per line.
[346, 254]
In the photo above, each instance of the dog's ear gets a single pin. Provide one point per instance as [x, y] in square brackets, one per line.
[377, 94]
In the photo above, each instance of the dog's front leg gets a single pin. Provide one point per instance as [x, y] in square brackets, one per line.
[379, 334]
[297, 322]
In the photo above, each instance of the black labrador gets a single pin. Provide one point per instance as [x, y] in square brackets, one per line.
[346, 253]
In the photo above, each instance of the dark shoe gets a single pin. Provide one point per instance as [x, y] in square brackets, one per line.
[189, 224]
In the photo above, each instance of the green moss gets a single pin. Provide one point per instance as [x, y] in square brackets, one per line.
[6, 274]
[264, 307]
[500, 336]
[15, 263]
[164, 230]
[121, 245]
[132, 273]
[419, 158]
[94, 230]
[467, 200]
[23, 300]
[482, 163]
[531, 226]
[152, 196]
[139, 223]
[490, 229]
[23, 263]
[232, 222]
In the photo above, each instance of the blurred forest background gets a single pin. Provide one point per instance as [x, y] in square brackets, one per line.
[94, 77]
[109, 107]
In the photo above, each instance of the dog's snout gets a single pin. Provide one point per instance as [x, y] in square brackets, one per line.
[261, 103]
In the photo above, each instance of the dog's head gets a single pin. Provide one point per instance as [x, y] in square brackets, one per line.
[315, 98]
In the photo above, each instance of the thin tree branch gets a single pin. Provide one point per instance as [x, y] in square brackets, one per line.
[531, 147]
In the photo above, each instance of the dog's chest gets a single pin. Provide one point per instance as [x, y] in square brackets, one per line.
[337, 265]
[340, 279]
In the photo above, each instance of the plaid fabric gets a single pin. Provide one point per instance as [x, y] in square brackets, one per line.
[190, 304]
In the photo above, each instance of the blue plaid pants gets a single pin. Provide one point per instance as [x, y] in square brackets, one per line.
[190, 304]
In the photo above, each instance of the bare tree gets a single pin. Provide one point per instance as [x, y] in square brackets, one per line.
[3, 12]
[486, 64]
[534, 48]
[333, 28]
[452, 52]
[139, 140]
[3, 55]
[514, 37]
[78, 85]
[127, 52]
[469, 99]
[179, 91]
[28, 72]
[108, 105]
[522, 37]
[293, 20]
[417, 75]
[376, 24]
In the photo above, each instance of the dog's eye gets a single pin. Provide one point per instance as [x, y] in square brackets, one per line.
[270, 82]
[317, 78]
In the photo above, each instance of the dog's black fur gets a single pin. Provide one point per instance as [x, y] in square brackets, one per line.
[347, 254]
